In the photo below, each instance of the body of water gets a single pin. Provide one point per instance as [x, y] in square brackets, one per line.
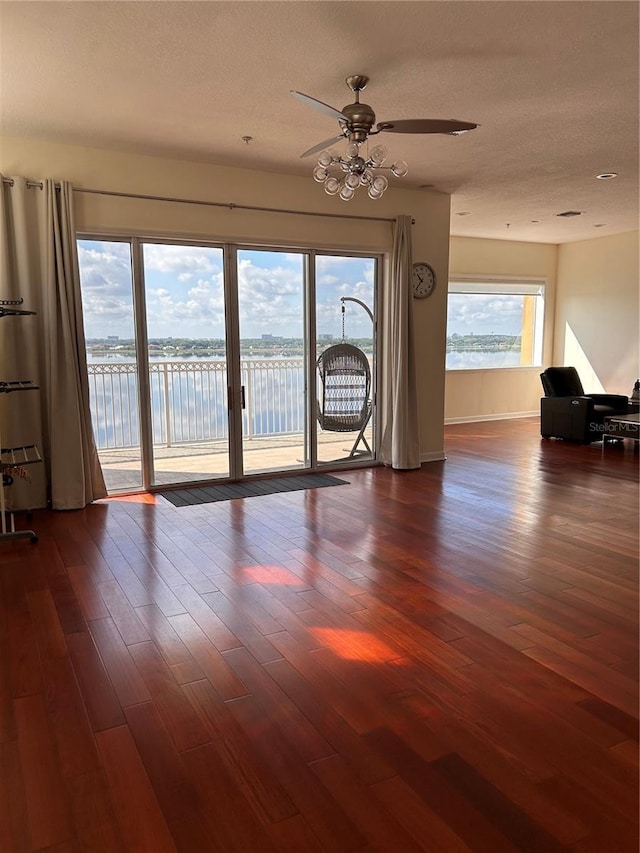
[466, 359]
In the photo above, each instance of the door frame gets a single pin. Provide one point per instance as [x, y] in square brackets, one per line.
[233, 350]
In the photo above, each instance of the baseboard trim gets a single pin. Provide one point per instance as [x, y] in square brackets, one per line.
[504, 416]
[434, 456]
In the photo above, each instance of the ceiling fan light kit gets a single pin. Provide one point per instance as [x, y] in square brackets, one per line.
[360, 167]
[342, 175]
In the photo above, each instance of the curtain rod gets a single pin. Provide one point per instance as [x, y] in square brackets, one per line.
[229, 205]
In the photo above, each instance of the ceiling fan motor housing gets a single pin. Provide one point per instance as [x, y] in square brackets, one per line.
[361, 119]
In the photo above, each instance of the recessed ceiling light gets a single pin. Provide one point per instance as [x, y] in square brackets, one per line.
[535, 221]
[463, 213]
[600, 225]
[606, 176]
[570, 213]
[425, 186]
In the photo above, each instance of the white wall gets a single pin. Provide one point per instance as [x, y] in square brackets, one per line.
[596, 322]
[129, 173]
[480, 394]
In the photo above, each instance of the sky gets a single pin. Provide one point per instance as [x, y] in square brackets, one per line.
[184, 292]
[481, 314]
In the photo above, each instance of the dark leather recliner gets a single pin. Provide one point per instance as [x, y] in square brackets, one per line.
[567, 412]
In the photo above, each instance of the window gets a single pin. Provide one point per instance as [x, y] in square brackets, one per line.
[494, 324]
[202, 357]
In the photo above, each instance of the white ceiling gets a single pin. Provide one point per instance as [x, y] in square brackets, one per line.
[553, 86]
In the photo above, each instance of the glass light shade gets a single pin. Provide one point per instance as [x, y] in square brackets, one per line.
[352, 180]
[374, 193]
[331, 186]
[380, 183]
[346, 193]
[352, 149]
[325, 159]
[378, 155]
[399, 169]
[366, 177]
[320, 174]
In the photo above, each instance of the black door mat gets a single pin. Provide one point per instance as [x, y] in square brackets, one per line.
[249, 489]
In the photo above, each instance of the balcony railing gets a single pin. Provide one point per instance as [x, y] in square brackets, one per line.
[189, 401]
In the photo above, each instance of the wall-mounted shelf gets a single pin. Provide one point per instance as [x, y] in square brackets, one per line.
[13, 460]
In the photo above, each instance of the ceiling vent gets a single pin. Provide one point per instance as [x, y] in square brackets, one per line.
[570, 213]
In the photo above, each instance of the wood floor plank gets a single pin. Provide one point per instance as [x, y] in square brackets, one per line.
[7, 720]
[369, 766]
[50, 637]
[47, 807]
[207, 656]
[170, 646]
[323, 813]
[379, 825]
[210, 623]
[123, 614]
[425, 826]
[178, 791]
[515, 824]
[93, 815]
[23, 661]
[98, 694]
[284, 713]
[235, 825]
[259, 785]
[69, 721]
[178, 715]
[85, 587]
[14, 818]
[242, 628]
[443, 659]
[118, 662]
[139, 816]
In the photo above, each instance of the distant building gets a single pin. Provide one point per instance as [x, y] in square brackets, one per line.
[113, 337]
[325, 337]
[267, 337]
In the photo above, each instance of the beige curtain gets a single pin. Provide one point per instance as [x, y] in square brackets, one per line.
[39, 265]
[400, 446]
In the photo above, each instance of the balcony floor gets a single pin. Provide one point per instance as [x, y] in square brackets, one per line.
[186, 463]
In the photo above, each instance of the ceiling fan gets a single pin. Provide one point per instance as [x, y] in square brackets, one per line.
[357, 120]
[357, 123]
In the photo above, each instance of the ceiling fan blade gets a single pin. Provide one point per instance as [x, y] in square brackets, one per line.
[322, 145]
[319, 105]
[426, 125]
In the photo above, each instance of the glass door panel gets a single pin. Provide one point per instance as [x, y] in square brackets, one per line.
[271, 312]
[187, 354]
[106, 282]
[345, 378]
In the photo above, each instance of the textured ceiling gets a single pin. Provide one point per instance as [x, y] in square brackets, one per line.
[553, 86]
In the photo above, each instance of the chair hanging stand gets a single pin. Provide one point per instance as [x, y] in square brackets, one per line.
[344, 404]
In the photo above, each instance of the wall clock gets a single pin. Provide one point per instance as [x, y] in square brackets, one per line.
[423, 279]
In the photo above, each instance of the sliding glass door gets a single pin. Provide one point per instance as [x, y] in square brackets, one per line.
[205, 361]
[188, 358]
[273, 352]
[345, 311]
[106, 275]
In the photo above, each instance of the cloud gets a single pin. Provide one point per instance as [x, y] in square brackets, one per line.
[185, 294]
[182, 260]
[484, 314]
[105, 274]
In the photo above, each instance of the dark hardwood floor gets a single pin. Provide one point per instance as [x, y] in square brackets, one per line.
[438, 660]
